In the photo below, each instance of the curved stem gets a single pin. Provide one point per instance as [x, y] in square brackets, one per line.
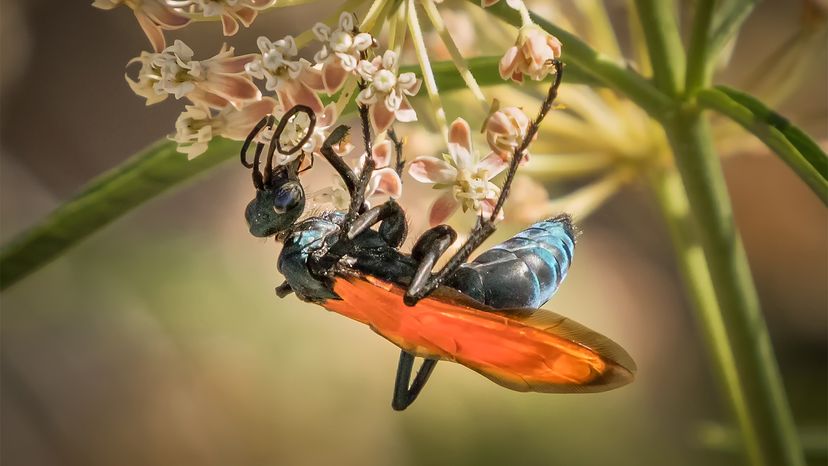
[675, 207]
[421, 51]
[710, 207]
[104, 199]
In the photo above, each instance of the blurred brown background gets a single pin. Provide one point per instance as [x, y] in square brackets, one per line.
[160, 340]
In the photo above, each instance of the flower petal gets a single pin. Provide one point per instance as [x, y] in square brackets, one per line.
[509, 63]
[494, 163]
[442, 209]
[460, 133]
[386, 181]
[427, 169]
[152, 31]
[246, 15]
[405, 113]
[333, 76]
[381, 117]
[236, 89]
[381, 154]
[312, 77]
[293, 92]
[229, 25]
[237, 123]
[231, 65]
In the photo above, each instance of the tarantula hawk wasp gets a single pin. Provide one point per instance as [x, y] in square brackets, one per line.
[482, 314]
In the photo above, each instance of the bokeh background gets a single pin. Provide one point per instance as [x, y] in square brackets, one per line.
[160, 340]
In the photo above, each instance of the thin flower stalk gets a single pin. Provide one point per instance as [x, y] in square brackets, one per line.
[456, 57]
[425, 65]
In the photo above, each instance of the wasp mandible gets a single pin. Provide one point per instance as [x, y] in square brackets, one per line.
[482, 314]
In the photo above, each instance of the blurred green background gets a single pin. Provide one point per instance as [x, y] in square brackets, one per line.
[160, 340]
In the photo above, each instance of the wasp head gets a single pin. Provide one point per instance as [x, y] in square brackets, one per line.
[280, 199]
[276, 207]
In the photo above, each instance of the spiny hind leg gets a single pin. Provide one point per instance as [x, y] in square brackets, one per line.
[405, 391]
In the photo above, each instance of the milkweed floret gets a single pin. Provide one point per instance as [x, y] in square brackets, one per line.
[341, 51]
[385, 91]
[199, 124]
[154, 16]
[465, 177]
[505, 130]
[283, 72]
[232, 12]
[532, 55]
[215, 82]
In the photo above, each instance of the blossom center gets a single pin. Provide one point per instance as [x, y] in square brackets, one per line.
[341, 41]
[384, 81]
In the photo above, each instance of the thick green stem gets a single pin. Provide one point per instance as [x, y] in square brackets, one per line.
[675, 207]
[104, 199]
[710, 207]
[698, 63]
[663, 43]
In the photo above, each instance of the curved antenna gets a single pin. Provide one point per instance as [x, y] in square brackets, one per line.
[284, 121]
[276, 143]
[265, 121]
[257, 174]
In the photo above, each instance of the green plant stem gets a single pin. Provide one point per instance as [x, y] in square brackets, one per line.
[710, 208]
[790, 143]
[698, 65]
[107, 197]
[675, 208]
[726, 24]
[663, 43]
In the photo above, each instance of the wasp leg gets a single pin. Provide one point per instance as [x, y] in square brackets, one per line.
[393, 228]
[428, 249]
[404, 394]
[399, 163]
[486, 226]
[284, 289]
[344, 171]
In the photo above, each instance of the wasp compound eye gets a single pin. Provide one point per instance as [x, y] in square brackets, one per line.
[288, 197]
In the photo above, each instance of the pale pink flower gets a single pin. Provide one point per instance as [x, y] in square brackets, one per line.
[216, 82]
[385, 91]
[198, 124]
[284, 73]
[340, 53]
[462, 173]
[533, 55]
[505, 130]
[232, 12]
[153, 16]
[384, 179]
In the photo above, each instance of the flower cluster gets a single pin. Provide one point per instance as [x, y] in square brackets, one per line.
[216, 82]
[156, 16]
[224, 99]
[386, 90]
